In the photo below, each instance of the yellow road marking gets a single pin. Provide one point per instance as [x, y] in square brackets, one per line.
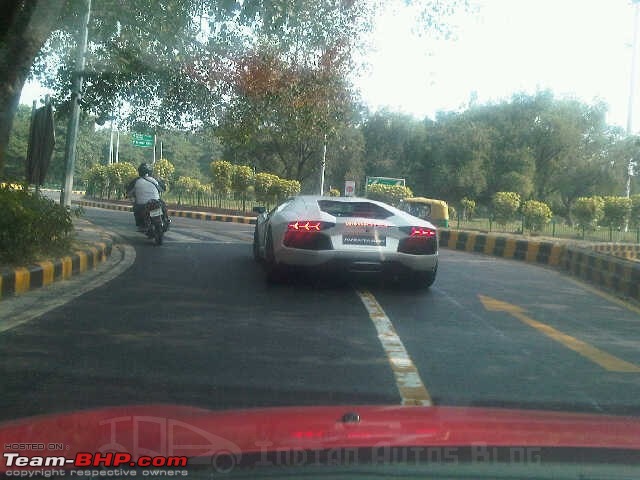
[600, 357]
[410, 385]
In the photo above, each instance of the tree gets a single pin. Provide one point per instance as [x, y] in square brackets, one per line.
[634, 219]
[587, 212]
[221, 172]
[536, 215]
[263, 187]
[505, 206]
[391, 194]
[242, 178]
[164, 169]
[616, 212]
[468, 208]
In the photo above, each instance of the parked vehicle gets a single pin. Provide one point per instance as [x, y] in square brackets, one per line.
[434, 211]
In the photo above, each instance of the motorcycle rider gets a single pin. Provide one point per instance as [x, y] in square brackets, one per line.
[143, 189]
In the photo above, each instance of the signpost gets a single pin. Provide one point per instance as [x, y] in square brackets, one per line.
[349, 188]
[384, 181]
[141, 140]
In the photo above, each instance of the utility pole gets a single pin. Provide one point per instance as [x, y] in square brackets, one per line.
[632, 84]
[74, 119]
[323, 165]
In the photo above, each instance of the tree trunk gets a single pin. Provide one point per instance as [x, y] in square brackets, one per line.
[28, 25]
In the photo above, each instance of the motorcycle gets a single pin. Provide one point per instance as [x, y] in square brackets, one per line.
[156, 223]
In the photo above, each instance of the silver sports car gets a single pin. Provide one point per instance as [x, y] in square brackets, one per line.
[345, 233]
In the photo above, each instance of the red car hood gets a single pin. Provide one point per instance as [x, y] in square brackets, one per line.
[193, 432]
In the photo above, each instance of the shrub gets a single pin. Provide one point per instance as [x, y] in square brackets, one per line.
[635, 211]
[536, 215]
[31, 225]
[97, 180]
[262, 186]
[164, 170]
[391, 194]
[587, 212]
[118, 176]
[334, 192]
[453, 213]
[616, 212]
[468, 208]
[241, 179]
[505, 206]
[222, 173]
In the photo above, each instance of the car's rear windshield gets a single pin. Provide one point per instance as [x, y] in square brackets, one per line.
[354, 209]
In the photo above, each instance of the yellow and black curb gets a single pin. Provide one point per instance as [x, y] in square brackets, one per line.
[17, 280]
[175, 213]
[604, 270]
[622, 250]
[545, 253]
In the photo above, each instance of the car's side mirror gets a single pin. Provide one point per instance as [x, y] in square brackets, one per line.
[259, 210]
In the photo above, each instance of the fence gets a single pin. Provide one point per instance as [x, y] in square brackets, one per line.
[552, 229]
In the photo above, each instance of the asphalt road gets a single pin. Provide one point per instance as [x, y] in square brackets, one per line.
[194, 323]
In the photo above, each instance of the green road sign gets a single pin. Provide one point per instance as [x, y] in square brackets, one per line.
[140, 140]
[384, 181]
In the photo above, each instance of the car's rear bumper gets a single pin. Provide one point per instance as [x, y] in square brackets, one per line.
[374, 261]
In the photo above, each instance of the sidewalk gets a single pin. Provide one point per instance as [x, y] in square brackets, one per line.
[95, 246]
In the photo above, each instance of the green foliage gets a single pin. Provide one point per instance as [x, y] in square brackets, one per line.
[242, 178]
[222, 173]
[587, 211]
[31, 225]
[635, 211]
[536, 215]
[334, 192]
[97, 180]
[453, 213]
[468, 208]
[391, 194]
[164, 170]
[263, 187]
[118, 176]
[505, 206]
[187, 189]
[616, 212]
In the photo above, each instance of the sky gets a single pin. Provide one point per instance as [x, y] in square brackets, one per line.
[577, 48]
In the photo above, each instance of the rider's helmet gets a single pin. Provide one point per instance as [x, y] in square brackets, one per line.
[144, 169]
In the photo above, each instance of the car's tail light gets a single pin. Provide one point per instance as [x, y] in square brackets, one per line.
[421, 232]
[420, 241]
[306, 234]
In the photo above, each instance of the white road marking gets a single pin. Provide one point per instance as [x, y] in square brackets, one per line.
[410, 385]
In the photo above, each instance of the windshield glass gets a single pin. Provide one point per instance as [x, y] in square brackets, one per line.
[203, 211]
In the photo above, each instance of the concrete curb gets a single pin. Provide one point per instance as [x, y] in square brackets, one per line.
[174, 213]
[622, 250]
[543, 253]
[17, 280]
[610, 272]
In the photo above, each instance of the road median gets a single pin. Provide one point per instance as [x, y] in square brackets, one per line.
[195, 214]
[606, 270]
[95, 247]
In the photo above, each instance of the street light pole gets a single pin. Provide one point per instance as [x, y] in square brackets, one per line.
[323, 165]
[632, 84]
[74, 119]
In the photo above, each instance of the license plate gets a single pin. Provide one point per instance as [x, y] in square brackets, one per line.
[364, 240]
[156, 213]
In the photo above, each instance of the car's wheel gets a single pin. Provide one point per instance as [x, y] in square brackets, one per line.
[275, 273]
